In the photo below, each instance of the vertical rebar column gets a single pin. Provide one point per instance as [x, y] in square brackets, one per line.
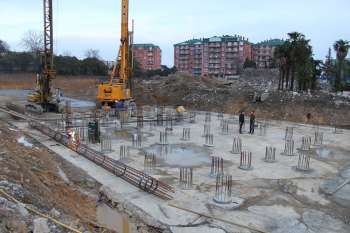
[186, 177]
[163, 138]
[223, 189]
[179, 116]
[318, 140]
[82, 133]
[289, 133]
[246, 160]
[168, 131]
[152, 125]
[150, 162]
[104, 121]
[270, 154]
[303, 162]
[140, 121]
[206, 129]
[192, 117]
[124, 152]
[207, 117]
[61, 122]
[169, 121]
[262, 129]
[220, 115]
[164, 150]
[137, 140]
[217, 166]
[106, 144]
[236, 145]
[209, 140]
[288, 148]
[68, 111]
[186, 134]
[225, 127]
[159, 119]
[305, 143]
[124, 117]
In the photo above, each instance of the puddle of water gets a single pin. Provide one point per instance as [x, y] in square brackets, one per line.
[79, 103]
[21, 94]
[331, 153]
[180, 155]
[325, 153]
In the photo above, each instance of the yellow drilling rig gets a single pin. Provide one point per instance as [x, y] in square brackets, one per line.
[42, 99]
[118, 93]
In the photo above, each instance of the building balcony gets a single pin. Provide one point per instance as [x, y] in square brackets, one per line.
[213, 45]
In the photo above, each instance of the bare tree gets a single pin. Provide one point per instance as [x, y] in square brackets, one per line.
[33, 41]
[4, 47]
[92, 53]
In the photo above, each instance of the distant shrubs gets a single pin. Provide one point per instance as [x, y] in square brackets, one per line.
[64, 65]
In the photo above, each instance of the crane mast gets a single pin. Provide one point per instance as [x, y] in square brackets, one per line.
[124, 43]
[48, 72]
[123, 63]
[42, 99]
[111, 93]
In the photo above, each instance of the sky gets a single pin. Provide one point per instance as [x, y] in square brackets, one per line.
[80, 25]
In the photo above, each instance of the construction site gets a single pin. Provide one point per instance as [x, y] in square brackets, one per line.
[169, 155]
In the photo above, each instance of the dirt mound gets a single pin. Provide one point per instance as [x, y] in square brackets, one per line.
[231, 97]
[37, 177]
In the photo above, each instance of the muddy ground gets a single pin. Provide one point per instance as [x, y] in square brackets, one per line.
[38, 177]
[212, 95]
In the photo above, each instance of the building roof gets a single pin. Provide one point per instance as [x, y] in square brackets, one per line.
[145, 46]
[191, 42]
[225, 38]
[271, 42]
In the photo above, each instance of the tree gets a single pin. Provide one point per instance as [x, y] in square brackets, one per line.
[282, 55]
[93, 66]
[92, 53]
[4, 47]
[294, 59]
[341, 48]
[33, 42]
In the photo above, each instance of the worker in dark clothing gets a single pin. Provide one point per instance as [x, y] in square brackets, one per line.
[241, 121]
[252, 122]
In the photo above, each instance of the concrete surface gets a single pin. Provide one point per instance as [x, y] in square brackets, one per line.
[277, 198]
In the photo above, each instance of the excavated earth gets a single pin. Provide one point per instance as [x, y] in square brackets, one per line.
[38, 177]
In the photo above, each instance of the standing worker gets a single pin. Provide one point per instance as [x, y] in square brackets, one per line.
[252, 122]
[241, 121]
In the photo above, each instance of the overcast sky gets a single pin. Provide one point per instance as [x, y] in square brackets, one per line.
[83, 24]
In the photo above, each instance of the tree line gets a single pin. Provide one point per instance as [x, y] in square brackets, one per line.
[300, 71]
[11, 62]
[30, 60]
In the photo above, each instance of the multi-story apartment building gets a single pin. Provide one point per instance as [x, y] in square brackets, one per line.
[216, 56]
[263, 53]
[188, 56]
[149, 56]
